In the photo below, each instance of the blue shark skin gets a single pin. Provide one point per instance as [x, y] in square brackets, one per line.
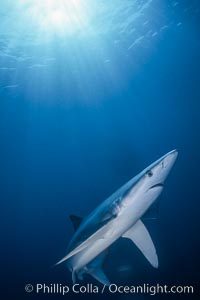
[118, 216]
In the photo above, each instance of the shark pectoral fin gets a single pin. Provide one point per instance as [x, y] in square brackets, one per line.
[73, 252]
[97, 235]
[99, 275]
[141, 238]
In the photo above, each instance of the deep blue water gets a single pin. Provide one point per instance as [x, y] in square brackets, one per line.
[75, 129]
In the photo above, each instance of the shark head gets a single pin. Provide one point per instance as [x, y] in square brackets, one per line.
[156, 174]
[150, 182]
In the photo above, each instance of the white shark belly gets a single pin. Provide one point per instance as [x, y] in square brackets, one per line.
[115, 229]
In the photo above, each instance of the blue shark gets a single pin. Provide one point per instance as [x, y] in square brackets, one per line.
[118, 216]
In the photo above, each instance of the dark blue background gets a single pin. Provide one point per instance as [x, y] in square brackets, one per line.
[60, 155]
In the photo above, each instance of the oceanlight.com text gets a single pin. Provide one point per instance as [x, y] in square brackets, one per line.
[57, 288]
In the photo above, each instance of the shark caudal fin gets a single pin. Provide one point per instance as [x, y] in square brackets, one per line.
[141, 238]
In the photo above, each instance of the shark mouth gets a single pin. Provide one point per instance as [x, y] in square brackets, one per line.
[156, 185]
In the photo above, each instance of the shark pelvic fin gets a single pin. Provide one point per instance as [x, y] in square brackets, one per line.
[94, 268]
[74, 277]
[99, 275]
[141, 238]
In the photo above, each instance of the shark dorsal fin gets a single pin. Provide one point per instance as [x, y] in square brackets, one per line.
[76, 221]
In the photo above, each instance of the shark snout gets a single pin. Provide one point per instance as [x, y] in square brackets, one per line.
[166, 164]
[169, 159]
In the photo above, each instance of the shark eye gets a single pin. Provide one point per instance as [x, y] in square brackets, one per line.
[149, 173]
